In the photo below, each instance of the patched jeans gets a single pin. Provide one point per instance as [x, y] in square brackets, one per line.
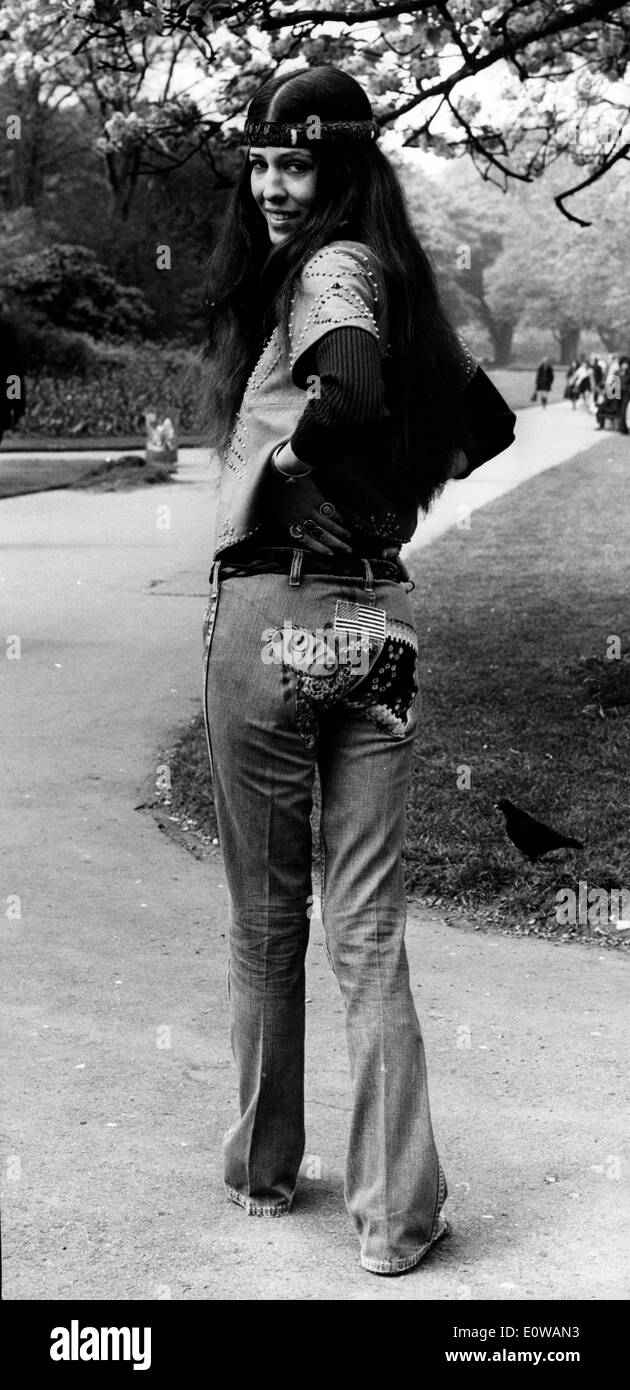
[284, 690]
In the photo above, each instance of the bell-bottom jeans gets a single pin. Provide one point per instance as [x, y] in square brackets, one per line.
[284, 692]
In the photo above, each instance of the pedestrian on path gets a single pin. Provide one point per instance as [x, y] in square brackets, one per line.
[544, 381]
[323, 317]
[624, 394]
[581, 384]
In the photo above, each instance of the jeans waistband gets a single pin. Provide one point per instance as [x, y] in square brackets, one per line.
[295, 562]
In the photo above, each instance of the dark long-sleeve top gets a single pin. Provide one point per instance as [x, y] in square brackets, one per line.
[348, 395]
[345, 411]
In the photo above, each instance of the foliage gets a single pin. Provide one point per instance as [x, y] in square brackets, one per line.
[68, 285]
[547, 63]
[112, 399]
[510, 262]
[46, 349]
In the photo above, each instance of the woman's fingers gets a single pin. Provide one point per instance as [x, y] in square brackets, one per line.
[322, 525]
[321, 532]
[315, 506]
[308, 543]
[333, 523]
[335, 541]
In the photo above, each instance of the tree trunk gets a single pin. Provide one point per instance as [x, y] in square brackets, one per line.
[502, 333]
[568, 340]
[609, 337]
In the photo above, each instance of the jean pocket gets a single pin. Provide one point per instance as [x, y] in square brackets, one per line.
[319, 668]
[389, 694]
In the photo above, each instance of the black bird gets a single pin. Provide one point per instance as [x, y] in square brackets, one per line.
[531, 836]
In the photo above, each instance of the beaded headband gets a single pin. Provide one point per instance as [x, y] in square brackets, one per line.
[286, 133]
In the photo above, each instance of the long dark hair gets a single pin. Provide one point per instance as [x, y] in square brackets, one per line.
[249, 286]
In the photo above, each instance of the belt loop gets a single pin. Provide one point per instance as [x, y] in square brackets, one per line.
[369, 578]
[296, 567]
[214, 578]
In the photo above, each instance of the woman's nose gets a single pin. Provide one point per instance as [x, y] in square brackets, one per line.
[273, 185]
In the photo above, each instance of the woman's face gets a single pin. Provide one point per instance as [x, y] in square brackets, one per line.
[283, 185]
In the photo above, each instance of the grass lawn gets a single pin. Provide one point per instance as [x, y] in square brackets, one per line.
[514, 617]
[517, 383]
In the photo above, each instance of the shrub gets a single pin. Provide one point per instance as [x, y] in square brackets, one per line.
[69, 286]
[44, 347]
[110, 398]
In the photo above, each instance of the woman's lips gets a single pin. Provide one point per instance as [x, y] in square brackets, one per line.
[279, 216]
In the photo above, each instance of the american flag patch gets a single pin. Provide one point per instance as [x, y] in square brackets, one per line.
[358, 617]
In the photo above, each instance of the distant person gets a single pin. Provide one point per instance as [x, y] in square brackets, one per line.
[544, 381]
[12, 393]
[597, 372]
[582, 384]
[624, 394]
[569, 394]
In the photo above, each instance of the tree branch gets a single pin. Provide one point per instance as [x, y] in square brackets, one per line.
[623, 153]
[557, 24]
[319, 16]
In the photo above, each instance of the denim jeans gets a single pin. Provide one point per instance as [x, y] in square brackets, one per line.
[272, 714]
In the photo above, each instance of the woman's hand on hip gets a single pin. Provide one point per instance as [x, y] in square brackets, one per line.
[299, 505]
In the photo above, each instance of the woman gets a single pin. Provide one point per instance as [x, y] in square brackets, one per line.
[544, 381]
[582, 384]
[333, 387]
[624, 395]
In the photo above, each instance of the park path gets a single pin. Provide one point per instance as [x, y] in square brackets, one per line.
[545, 437]
[120, 1082]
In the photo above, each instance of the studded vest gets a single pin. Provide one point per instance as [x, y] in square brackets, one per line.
[342, 285]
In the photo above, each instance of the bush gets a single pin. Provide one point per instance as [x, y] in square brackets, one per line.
[71, 354]
[73, 290]
[110, 398]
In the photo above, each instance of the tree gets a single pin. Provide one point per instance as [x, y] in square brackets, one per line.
[45, 64]
[509, 263]
[464, 225]
[67, 286]
[104, 157]
[416, 57]
[567, 279]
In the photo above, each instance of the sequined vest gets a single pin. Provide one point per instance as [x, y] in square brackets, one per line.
[342, 285]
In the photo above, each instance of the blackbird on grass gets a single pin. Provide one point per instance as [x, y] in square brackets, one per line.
[531, 836]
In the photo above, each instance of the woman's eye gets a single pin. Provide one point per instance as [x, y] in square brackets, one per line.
[256, 166]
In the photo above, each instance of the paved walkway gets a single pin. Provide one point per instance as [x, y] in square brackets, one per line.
[544, 439]
[120, 1081]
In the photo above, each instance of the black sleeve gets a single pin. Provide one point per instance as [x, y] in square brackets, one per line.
[343, 373]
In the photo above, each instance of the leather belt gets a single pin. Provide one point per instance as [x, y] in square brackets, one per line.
[279, 561]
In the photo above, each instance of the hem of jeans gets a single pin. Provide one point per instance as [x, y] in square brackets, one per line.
[399, 1266]
[254, 1208]
[440, 1228]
